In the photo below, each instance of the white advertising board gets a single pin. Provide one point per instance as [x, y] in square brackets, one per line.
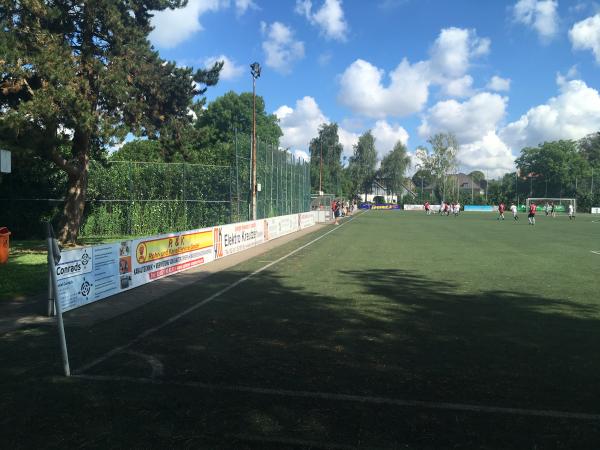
[236, 237]
[88, 274]
[415, 207]
[596, 210]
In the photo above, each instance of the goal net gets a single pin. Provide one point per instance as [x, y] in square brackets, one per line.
[544, 205]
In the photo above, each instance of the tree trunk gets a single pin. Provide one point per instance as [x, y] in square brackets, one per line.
[76, 191]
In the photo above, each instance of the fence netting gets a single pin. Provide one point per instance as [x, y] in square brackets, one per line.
[127, 198]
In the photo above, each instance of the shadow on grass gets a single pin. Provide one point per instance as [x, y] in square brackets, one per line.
[388, 333]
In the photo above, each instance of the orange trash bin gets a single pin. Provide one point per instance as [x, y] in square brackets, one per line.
[4, 244]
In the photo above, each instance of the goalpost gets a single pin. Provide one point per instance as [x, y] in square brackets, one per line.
[561, 205]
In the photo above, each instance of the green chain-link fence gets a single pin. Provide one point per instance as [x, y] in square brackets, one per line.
[143, 198]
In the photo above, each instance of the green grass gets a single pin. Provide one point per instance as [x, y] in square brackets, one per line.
[26, 272]
[464, 310]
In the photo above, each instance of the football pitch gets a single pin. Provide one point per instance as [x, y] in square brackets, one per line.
[391, 330]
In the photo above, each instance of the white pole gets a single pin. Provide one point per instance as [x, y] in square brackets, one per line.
[54, 257]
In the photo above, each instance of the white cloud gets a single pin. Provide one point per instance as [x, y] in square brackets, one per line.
[574, 113]
[329, 18]
[299, 154]
[281, 50]
[362, 89]
[542, 15]
[469, 120]
[489, 153]
[301, 124]
[241, 6]
[459, 87]
[453, 50]
[475, 123]
[362, 86]
[386, 136]
[173, 26]
[230, 70]
[585, 35]
[499, 84]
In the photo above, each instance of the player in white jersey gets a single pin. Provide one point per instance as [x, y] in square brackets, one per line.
[513, 209]
[571, 211]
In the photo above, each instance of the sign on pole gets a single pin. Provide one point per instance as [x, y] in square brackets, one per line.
[5, 161]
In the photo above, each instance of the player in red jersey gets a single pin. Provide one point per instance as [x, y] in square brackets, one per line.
[531, 215]
[501, 209]
[427, 208]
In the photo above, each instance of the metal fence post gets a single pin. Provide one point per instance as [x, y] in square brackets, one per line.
[53, 259]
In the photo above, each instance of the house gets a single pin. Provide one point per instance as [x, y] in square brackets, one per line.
[379, 188]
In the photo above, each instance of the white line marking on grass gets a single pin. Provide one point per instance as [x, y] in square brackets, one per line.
[596, 252]
[153, 361]
[192, 308]
[355, 398]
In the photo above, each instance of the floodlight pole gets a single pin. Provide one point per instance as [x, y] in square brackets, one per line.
[321, 169]
[255, 71]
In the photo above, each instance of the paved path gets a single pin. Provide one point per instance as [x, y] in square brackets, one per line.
[31, 310]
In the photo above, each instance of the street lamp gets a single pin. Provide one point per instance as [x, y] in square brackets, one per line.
[255, 71]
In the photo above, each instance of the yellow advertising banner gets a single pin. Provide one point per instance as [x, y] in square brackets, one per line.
[152, 250]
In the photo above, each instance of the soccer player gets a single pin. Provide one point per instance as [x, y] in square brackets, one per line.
[571, 211]
[531, 216]
[552, 211]
[501, 209]
[427, 208]
[547, 208]
[457, 208]
[513, 209]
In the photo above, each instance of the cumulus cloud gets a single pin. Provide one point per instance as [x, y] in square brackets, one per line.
[230, 70]
[542, 15]
[241, 6]
[387, 135]
[363, 86]
[475, 123]
[453, 50]
[499, 84]
[280, 47]
[574, 113]
[585, 35]
[468, 120]
[173, 26]
[301, 123]
[329, 18]
[363, 91]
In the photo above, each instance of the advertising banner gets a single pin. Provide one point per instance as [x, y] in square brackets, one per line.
[416, 207]
[479, 208]
[596, 210]
[163, 255]
[236, 237]
[88, 274]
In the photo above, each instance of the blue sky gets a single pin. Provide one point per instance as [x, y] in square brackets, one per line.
[501, 75]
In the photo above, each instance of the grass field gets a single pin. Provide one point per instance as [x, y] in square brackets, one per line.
[394, 330]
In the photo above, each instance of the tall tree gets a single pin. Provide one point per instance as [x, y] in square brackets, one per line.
[229, 113]
[590, 149]
[440, 161]
[393, 167]
[552, 167]
[362, 163]
[326, 149]
[80, 75]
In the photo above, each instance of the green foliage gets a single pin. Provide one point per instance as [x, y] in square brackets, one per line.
[362, 164]
[81, 76]
[590, 149]
[440, 161]
[393, 167]
[326, 148]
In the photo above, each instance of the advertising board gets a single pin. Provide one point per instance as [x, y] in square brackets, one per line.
[415, 207]
[236, 237]
[479, 208]
[596, 210]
